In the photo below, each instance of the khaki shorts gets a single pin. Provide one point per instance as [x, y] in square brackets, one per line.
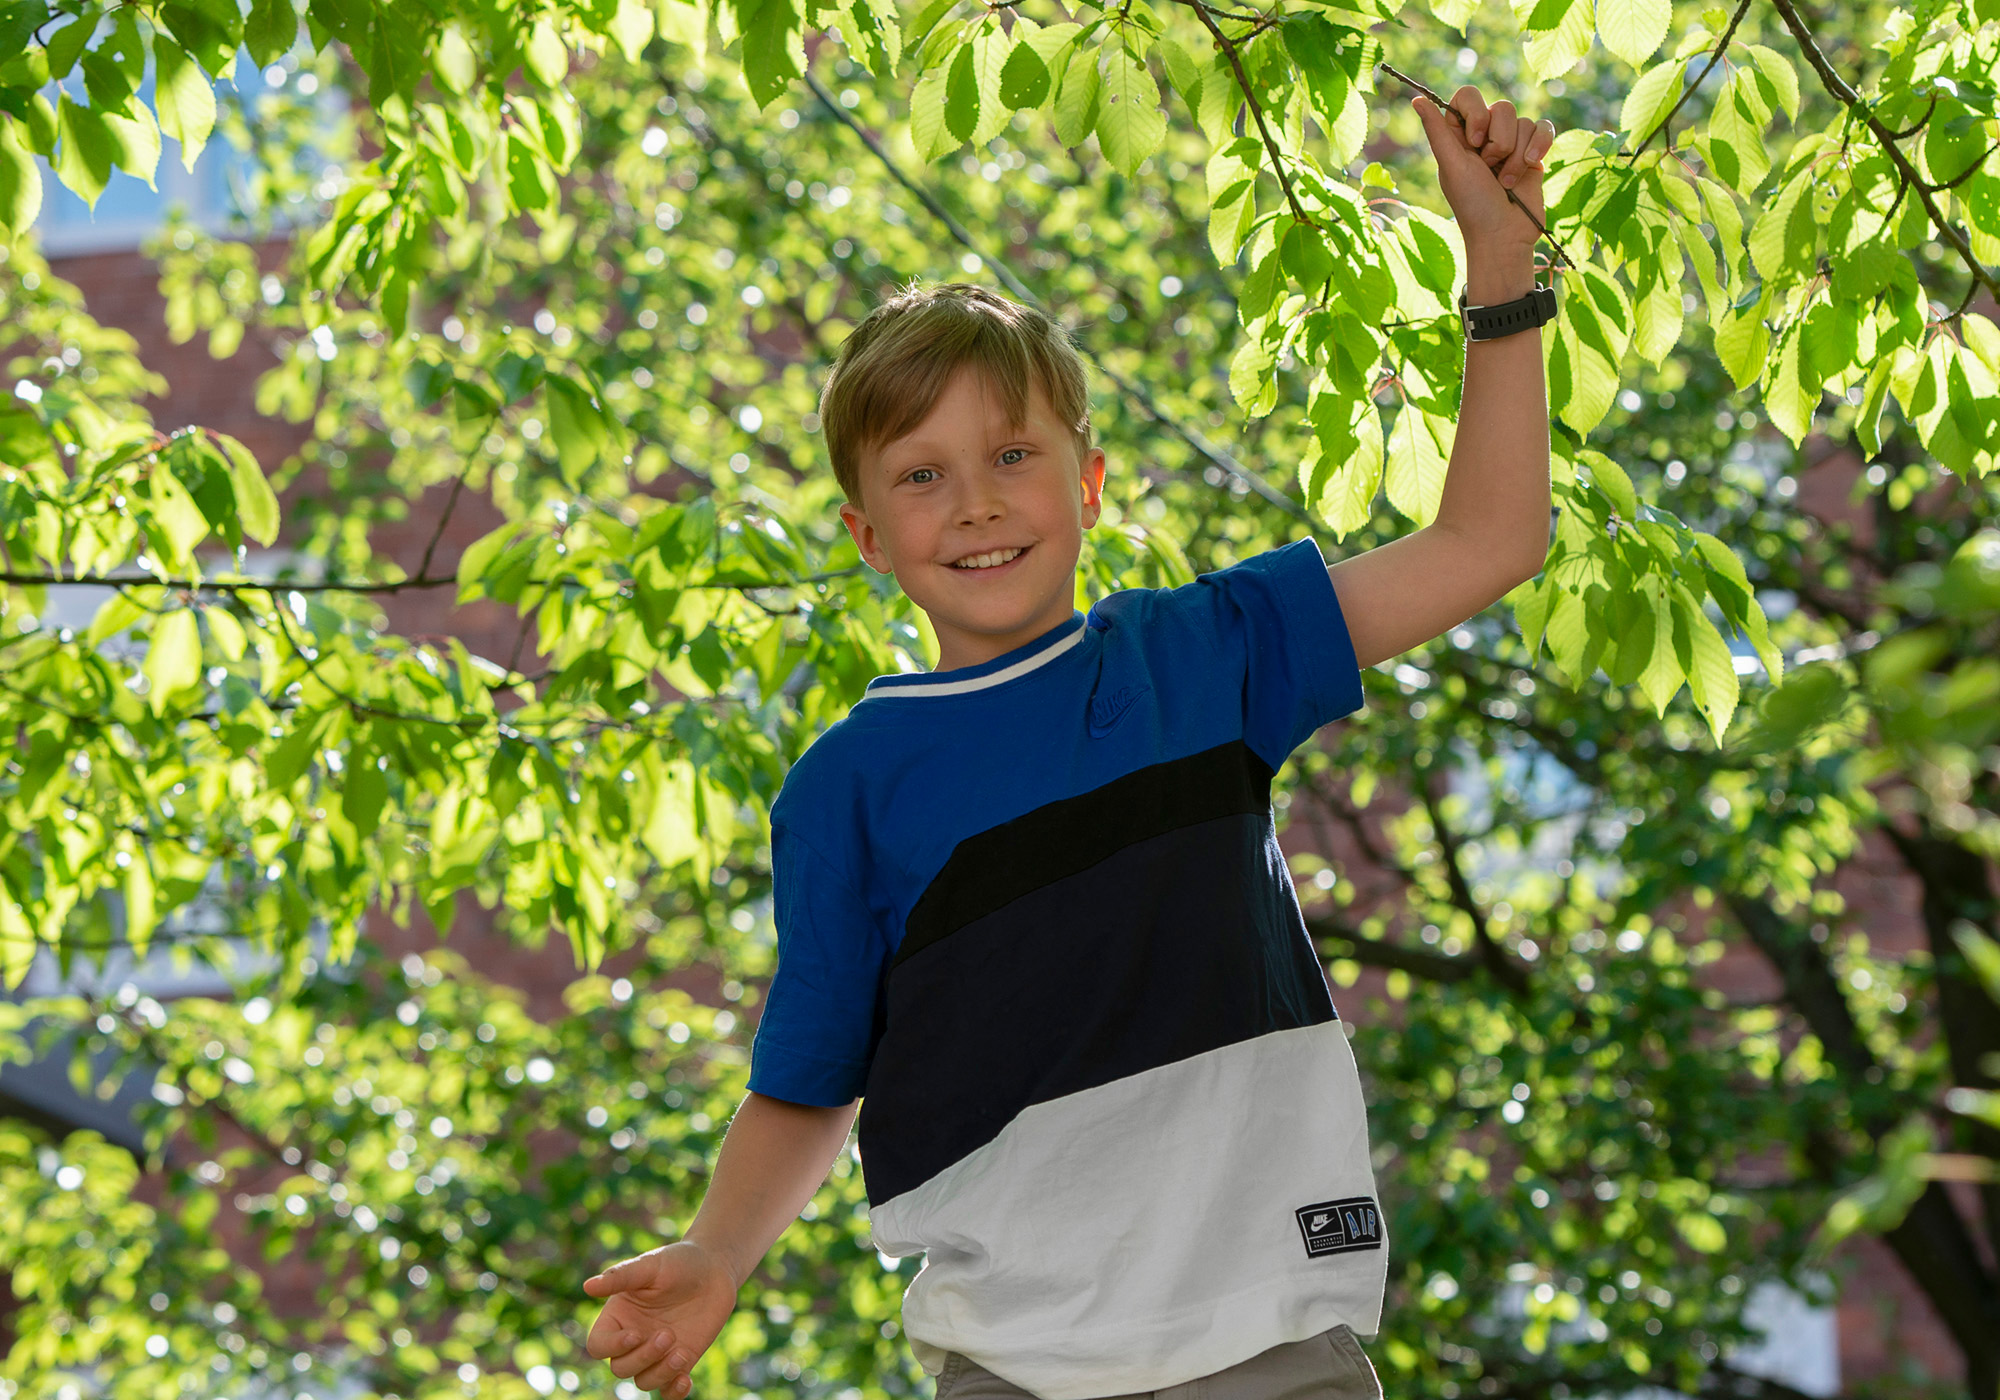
[1328, 1366]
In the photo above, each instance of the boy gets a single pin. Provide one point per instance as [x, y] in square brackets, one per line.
[1031, 907]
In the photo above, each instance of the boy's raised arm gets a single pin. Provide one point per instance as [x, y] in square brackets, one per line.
[1492, 527]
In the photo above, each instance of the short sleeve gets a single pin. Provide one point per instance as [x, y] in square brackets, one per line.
[1278, 612]
[818, 1030]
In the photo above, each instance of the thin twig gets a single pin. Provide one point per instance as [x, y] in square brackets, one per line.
[1256, 110]
[1714, 58]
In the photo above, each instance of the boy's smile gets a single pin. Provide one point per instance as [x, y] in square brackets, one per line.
[979, 519]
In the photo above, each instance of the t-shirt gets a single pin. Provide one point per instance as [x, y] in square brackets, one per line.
[1035, 914]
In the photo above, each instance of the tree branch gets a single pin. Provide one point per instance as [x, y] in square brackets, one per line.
[1505, 970]
[1381, 952]
[1256, 111]
[1838, 86]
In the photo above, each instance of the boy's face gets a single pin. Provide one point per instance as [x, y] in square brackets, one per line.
[981, 521]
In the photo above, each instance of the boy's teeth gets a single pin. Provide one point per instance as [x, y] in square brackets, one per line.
[986, 561]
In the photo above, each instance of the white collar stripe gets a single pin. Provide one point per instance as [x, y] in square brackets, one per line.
[910, 686]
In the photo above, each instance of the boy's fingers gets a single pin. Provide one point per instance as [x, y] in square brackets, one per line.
[1472, 107]
[648, 1353]
[1516, 165]
[1502, 133]
[1545, 137]
[662, 1376]
[628, 1274]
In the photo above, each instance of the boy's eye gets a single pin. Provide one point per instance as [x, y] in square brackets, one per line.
[921, 476]
[1019, 452]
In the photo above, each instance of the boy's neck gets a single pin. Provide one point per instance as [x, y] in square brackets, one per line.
[959, 649]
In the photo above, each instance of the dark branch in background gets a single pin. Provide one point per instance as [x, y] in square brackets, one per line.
[1933, 1241]
[1714, 58]
[1847, 96]
[444, 519]
[196, 585]
[1381, 952]
[348, 585]
[1506, 971]
[1256, 110]
[1014, 284]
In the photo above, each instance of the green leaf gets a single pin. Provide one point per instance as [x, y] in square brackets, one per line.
[1775, 245]
[141, 908]
[1183, 72]
[1656, 319]
[1343, 468]
[270, 30]
[1740, 342]
[1077, 99]
[137, 135]
[1306, 258]
[928, 132]
[87, 150]
[1651, 98]
[1611, 479]
[66, 46]
[184, 98]
[581, 429]
[256, 504]
[20, 178]
[1633, 29]
[1416, 465]
[1783, 77]
[173, 658]
[1130, 124]
[547, 57]
[1556, 34]
[452, 61]
[1592, 366]
[961, 95]
[632, 28]
[1661, 677]
[773, 51]
[1712, 672]
[208, 32]
[1789, 399]
[1024, 79]
[1249, 369]
[989, 61]
[1315, 44]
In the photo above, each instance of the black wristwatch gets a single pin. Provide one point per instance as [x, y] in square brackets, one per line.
[1506, 317]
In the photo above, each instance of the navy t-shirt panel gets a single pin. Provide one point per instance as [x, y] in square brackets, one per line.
[1159, 718]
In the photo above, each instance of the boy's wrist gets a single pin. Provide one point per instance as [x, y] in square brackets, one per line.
[1498, 272]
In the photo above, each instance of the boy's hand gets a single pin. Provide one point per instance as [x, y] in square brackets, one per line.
[1493, 142]
[663, 1309]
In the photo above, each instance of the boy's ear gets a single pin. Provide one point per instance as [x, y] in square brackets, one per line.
[1093, 486]
[865, 538]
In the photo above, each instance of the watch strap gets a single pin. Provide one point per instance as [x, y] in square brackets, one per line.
[1537, 308]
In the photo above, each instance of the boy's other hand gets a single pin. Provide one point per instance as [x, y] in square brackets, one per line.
[662, 1310]
[1495, 151]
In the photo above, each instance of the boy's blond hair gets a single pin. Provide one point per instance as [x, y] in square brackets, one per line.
[895, 363]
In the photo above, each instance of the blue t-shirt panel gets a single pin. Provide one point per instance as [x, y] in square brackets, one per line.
[1257, 654]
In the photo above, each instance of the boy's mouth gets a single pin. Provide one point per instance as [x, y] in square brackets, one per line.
[992, 559]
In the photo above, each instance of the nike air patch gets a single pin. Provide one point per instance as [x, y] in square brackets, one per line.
[1338, 1227]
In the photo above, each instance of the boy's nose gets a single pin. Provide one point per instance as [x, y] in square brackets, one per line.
[980, 501]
